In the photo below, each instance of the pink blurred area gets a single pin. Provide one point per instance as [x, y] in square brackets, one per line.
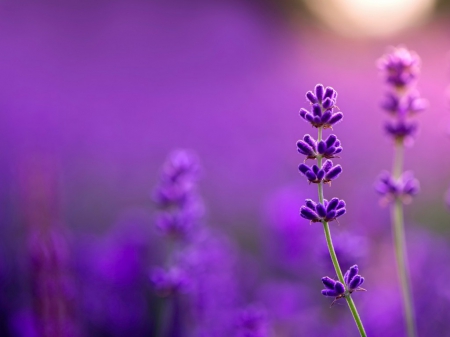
[108, 88]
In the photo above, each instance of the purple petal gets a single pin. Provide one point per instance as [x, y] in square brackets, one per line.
[311, 175]
[304, 148]
[316, 110]
[331, 215]
[303, 112]
[321, 147]
[326, 116]
[327, 103]
[310, 204]
[327, 165]
[330, 151]
[353, 271]
[329, 292]
[315, 168]
[332, 204]
[320, 175]
[309, 117]
[354, 282]
[330, 93]
[308, 214]
[311, 97]
[310, 140]
[341, 204]
[339, 288]
[361, 281]
[328, 282]
[320, 209]
[331, 140]
[317, 120]
[340, 212]
[334, 172]
[346, 276]
[319, 89]
[337, 117]
[303, 168]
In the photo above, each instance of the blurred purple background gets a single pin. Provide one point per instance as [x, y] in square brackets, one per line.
[95, 94]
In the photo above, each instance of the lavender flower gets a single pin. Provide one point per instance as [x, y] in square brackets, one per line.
[400, 67]
[169, 282]
[404, 188]
[401, 131]
[323, 103]
[322, 116]
[328, 148]
[252, 322]
[177, 197]
[327, 173]
[411, 104]
[329, 211]
[353, 282]
[178, 179]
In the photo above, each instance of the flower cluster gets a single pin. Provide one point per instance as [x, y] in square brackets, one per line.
[401, 69]
[323, 103]
[326, 174]
[176, 196]
[312, 149]
[329, 211]
[322, 116]
[180, 213]
[353, 282]
[169, 282]
[405, 187]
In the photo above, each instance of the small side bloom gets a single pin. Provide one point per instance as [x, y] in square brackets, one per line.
[329, 211]
[328, 148]
[327, 173]
[403, 188]
[169, 282]
[336, 289]
[402, 131]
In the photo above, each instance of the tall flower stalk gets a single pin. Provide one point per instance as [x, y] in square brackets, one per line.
[322, 115]
[401, 68]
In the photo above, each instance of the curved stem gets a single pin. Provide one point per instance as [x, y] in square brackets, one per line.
[398, 232]
[333, 256]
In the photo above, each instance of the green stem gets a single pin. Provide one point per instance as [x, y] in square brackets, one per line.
[333, 256]
[398, 232]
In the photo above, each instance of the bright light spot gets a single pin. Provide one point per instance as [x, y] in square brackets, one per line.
[370, 17]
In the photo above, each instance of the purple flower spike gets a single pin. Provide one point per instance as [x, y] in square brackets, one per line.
[328, 148]
[323, 103]
[311, 97]
[326, 174]
[329, 211]
[400, 67]
[353, 282]
[403, 188]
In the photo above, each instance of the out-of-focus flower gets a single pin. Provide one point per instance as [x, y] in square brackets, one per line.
[400, 67]
[411, 103]
[252, 322]
[402, 130]
[169, 282]
[404, 187]
[329, 211]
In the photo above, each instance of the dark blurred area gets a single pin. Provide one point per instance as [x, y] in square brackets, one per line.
[96, 95]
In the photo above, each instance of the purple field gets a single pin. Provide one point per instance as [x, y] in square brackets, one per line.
[96, 99]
